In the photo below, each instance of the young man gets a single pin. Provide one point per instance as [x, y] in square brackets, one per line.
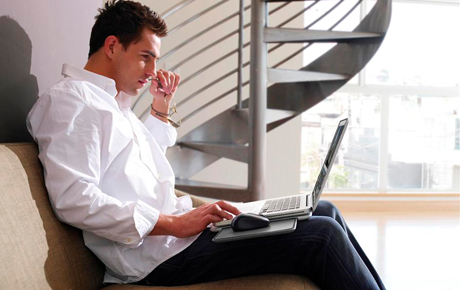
[107, 174]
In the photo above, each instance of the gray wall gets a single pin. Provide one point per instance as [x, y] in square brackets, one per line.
[36, 38]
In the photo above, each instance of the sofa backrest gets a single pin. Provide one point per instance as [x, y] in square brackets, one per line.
[37, 251]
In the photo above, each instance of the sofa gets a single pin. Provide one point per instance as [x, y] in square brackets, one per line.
[40, 252]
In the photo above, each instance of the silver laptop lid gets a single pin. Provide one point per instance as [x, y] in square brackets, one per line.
[328, 162]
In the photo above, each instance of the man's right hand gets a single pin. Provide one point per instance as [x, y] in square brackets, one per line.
[195, 221]
[164, 86]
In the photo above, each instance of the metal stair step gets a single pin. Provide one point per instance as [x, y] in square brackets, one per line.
[272, 34]
[294, 76]
[271, 116]
[238, 152]
[213, 190]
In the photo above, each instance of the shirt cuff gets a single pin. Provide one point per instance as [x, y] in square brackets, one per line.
[145, 219]
[163, 133]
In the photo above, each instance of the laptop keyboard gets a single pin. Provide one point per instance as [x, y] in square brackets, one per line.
[282, 204]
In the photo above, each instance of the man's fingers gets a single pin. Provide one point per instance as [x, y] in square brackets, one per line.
[162, 77]
[169, 81]
[228, 207]
[215, 209]
[210, 218]
[176, 83]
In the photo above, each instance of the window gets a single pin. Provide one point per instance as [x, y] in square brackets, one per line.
[403, 109]
[357, 163]
[457, 134]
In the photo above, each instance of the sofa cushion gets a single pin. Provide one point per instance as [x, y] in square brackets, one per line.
[38, 251]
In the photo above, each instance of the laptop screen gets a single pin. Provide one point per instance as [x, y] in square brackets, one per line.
[329, 161]
[335, 143]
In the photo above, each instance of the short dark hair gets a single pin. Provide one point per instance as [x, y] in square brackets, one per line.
[126, 20]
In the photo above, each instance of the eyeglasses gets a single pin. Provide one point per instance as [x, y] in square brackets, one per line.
[160, 86]
[174, 118]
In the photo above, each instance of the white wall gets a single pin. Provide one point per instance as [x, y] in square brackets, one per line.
[36, 38]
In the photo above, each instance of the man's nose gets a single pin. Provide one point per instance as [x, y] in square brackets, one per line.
[151, 71]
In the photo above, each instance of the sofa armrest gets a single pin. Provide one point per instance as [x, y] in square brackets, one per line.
[260, 282]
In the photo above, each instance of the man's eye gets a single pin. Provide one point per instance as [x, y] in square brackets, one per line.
[145, 56]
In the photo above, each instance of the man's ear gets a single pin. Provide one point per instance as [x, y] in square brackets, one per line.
[110, 46]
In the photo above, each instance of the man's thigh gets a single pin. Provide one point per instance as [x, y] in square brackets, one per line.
[303, 252]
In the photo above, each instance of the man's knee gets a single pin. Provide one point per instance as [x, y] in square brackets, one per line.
[327, 204]
[326, 208]
[323, 226]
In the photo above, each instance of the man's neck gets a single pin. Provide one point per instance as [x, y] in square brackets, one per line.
[97, 65]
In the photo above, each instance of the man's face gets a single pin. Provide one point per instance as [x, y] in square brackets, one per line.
[135, 65]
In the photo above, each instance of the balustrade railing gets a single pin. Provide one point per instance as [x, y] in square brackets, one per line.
[239, 47]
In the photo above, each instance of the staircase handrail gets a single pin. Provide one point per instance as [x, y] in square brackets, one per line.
[175, 8]
[215, 81]
[193, 113]
[195, 17]
[176, 48]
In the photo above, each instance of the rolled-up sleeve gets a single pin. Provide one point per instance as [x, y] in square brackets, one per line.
[68, 132]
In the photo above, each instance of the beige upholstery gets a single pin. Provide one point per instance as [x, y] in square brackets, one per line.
[265, 282]
[39, 252]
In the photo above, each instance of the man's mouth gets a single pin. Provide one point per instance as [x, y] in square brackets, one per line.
[143, 82]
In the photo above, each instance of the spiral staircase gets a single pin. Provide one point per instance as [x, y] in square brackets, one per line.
[238, 132]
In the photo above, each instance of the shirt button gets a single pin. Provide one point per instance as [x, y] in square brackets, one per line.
[128, 240]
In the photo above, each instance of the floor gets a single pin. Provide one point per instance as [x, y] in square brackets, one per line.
[411, 250]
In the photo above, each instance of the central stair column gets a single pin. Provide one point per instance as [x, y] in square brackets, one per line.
[257, 102]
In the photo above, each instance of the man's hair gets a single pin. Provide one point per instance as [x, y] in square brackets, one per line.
[126, 20]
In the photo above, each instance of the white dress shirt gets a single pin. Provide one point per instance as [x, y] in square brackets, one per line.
[106, 172]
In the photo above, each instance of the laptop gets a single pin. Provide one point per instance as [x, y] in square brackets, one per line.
[301, 206]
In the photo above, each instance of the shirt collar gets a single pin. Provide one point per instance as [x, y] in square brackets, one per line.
[105, 83]
[123, 100]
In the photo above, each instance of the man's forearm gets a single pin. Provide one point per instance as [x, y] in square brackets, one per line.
[165, 226]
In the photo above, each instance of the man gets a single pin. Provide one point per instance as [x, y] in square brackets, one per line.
[106, 173]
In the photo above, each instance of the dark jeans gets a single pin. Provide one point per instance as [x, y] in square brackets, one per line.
[322, 248]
